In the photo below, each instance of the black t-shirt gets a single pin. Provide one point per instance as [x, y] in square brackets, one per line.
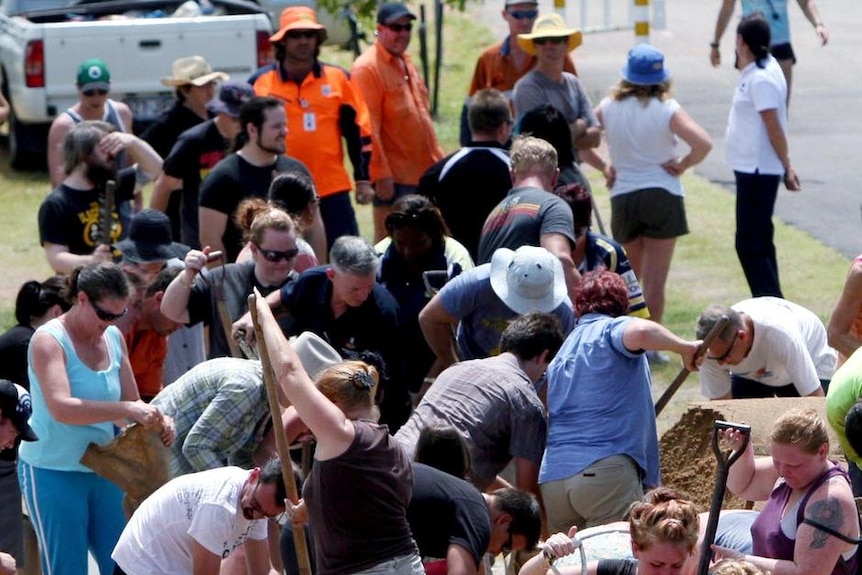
[162, 135]
[196, 152]
[617, 567]
[466, 186]
[445, 510]
[70, 217]
[235, 179]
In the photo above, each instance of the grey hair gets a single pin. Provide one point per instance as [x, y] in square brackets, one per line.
[710, 317]
[80, 142]
[353, 255]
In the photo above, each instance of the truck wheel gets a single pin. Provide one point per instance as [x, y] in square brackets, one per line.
[22, 155]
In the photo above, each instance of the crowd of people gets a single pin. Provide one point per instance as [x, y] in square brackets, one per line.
[477, 381]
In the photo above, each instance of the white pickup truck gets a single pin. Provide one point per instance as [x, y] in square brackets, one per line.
[42, 42]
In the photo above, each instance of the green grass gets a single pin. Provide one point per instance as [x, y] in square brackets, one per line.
[705, 268]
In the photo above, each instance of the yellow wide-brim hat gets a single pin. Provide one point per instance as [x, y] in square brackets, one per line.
[550, 26]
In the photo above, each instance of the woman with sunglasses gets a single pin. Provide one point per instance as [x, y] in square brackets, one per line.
[356, 497]
[81, 385]
[194, 294]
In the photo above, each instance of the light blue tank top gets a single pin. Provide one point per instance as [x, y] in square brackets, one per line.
[775, 12]
[61, 445]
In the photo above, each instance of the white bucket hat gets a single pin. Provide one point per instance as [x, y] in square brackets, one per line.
[314, 353]
[528, 279]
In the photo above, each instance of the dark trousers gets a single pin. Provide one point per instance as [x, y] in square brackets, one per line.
[755, 202]
[288, 550]
[744, 388]
[338, 216]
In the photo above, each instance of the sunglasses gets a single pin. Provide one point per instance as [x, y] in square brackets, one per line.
[307, 34]
[91, 93]
[105, 315]
[523, 14]
[552, 40]
[276, 256]
[726, 354]
[400, 27]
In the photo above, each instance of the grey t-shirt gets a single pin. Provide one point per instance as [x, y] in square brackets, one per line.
[494, 406]
[569, 96]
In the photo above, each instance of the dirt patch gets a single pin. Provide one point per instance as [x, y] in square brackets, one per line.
[687, 459]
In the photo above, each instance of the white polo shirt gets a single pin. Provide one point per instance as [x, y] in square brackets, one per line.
[747, 145]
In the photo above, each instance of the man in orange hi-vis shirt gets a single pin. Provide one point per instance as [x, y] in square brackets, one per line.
[322, 109]
[404, 141]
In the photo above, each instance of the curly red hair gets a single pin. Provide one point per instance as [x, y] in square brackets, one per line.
[601, 291]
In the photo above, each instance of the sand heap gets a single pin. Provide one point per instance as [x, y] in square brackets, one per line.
[687, 459]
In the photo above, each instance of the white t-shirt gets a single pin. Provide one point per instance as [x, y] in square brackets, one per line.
[640, 141]
[789, 347]
[747, 145]
[202, 507]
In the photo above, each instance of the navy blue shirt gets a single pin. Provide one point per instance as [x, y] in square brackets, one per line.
[372, 326]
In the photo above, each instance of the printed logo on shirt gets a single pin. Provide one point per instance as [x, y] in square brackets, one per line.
[93, 225]
[326, 90]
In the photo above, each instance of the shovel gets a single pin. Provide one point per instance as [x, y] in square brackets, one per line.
[722, 469]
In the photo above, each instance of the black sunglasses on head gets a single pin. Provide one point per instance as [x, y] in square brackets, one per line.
[276, 256]
[400, 27]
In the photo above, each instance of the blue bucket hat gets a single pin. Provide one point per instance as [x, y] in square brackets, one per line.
[645, 66]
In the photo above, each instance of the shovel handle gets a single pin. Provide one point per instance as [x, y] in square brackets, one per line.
[722, 470]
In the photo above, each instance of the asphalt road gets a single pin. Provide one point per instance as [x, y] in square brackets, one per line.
[825, 115]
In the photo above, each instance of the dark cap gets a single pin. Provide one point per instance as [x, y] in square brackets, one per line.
[392, 11]
[15, 405]
[231, 97]
[150, 240]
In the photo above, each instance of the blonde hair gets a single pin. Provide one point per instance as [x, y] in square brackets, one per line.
[255, 216]
[736, 567]
[802, 428]
[533, 155]
[626, 89]
[350, 384]
[664, 515]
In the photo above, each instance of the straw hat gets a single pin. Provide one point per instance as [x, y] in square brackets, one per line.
[549, 26]
[194, 71]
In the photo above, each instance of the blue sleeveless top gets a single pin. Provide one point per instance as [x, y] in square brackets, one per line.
[61, 445]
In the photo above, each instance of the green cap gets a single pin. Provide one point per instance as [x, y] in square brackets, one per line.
[93, 74]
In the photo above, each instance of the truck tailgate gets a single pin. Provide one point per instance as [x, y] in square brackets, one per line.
[140, 51]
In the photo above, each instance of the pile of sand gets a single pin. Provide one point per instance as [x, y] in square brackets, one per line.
[687, 459]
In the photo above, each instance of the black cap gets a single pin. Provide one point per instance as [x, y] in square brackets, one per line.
[15, 405]
[391, 11]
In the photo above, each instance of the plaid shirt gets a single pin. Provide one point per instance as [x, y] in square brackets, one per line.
[221, 413]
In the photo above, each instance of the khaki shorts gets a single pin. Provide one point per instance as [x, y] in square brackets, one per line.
[652, 212]
[600, 494]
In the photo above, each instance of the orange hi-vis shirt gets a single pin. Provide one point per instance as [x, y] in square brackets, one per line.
[496, 69]
[321, 109]
[404, 142]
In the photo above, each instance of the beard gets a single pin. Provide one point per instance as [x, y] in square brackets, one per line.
[99, 172]
[276, 148]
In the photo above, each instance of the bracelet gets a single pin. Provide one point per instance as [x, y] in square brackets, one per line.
[713, 45]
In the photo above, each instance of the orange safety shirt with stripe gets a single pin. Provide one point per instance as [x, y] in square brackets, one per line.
[405, 144]
[321, 109]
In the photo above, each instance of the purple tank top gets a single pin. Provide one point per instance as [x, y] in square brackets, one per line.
[767, 538]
